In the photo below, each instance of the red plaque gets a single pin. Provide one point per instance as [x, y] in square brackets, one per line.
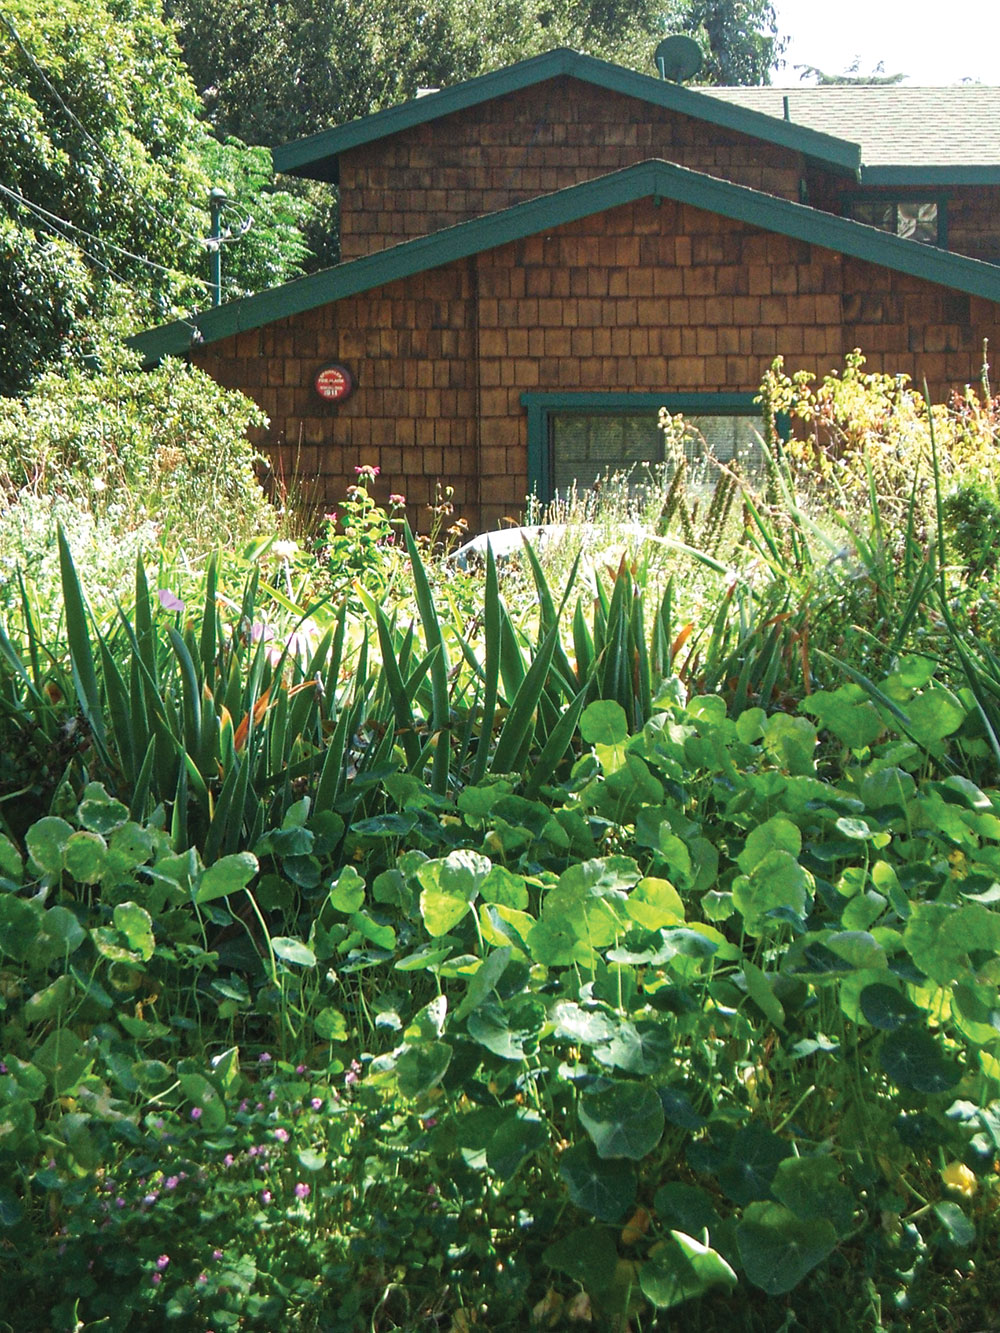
[334, 383]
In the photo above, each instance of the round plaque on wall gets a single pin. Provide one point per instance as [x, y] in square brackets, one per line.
[334, 383]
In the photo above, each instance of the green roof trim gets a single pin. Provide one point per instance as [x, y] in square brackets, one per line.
[652, 178]
[930, 175]
[316, 156]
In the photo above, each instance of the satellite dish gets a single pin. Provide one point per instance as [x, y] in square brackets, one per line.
[678, 58]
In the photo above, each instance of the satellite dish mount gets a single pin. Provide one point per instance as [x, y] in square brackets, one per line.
[678, 58]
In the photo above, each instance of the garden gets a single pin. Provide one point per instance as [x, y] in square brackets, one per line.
[606, 937]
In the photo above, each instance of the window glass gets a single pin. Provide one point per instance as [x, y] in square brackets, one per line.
[586, 447]
[915, 219]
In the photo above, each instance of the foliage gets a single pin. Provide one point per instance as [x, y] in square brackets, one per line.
[143, 455]
[271, 73]
[104, 182]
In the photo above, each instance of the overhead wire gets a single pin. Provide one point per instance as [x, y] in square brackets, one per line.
[109, 161]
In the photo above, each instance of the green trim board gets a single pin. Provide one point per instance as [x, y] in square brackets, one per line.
[930, 175]
[316, 156]
[540, 407]
[655, 179]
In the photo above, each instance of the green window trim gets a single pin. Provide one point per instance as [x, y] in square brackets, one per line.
[541, 407]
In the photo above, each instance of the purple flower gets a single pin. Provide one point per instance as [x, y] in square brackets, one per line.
[169, 600]
[264, 1058]
[195, 1112]
[316, 1103]
[281, 1134]
[155, 1278]
[265, 1196]
[162, 1262]
[201, 1279]
[151, 1197]
[300, 1069]
[302, 1190]
[352, 1074]
[216, 1254]
[171, 1182]
[228, 1159]
[119, 1202]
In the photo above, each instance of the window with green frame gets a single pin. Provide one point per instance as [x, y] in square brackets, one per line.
[916, 217]
[574, 439]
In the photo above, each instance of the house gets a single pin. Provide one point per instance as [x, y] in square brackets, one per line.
[537, 260]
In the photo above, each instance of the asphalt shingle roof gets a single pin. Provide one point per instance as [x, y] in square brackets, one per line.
[895, 124]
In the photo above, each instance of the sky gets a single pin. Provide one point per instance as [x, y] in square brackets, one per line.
[930, 43]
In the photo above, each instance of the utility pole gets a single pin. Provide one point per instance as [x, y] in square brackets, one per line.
[216, 199]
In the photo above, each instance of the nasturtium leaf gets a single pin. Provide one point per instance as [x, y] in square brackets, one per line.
[638, 1048]
[976, 1010]
[347, 892]
[153, 1076]
[61, 934]
[503, 887]
[623, 1120]
[510, 1030]
[761, 991]
[912, 1059]
[385, 825]
[858, 948]
[654, 903]
[136, 925]
[428, 1023]
[449, 887]
[514, 1142]
[85, 856]
[745, 1160]
[505, 927]
[330, 1025]
[846, 713]
[379, 933]
[777, 884]
[225, 876]
[933, 715]
[750, 727]
[887, 1008]
[291, 950]
[678, 1109]
[99, 811]
[774, 835]
[420, 1068]
[791, 742]
[310, 1160]
[685, 1207]
[64, 1060]
[11, 866]
[863, 910]
[46, 841]
[587, 1254]
[604, 723]
[483, 982]
[51, 1001]
[680, 1269]
[11, 1208]
[958, 1228]
[778, 1249]
[130, 846]
[204, 1095]
[558, 945]
[428, 956]
[939, 937]
[582, 1027]
[812, 1189]
[605, 1189]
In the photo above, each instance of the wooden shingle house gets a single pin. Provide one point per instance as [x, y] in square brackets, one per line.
[536, 260]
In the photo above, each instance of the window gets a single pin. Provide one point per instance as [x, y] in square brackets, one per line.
[575, 439]
[914, 219]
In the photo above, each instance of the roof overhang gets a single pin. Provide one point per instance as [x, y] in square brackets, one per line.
[902, 176]
[317, 156]
[646, 179]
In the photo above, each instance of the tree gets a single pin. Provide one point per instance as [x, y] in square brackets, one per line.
[275, 70]
[103, 181]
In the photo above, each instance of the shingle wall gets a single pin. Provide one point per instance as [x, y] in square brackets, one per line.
[642, 297]
[529, 143]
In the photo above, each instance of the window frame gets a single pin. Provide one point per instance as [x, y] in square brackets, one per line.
[890, 196]
[542, 406]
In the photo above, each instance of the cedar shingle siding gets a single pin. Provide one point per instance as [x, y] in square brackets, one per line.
[647, 296]
[652, 280]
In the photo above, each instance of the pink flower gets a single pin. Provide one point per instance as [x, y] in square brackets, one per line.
[196, 1113]
[264, 1058]
[216, 1254]
[171, 1183]
[397, 499]
[265, 1196]
[316, 1103]
[169, 600]
[302, 1190]
[155, 1278]
[162, 1262]
[281, 1134]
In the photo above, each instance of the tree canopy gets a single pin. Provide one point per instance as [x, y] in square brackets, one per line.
[104, 179]
[274, 70]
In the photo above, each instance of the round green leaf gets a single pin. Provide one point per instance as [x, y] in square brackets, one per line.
[685, 1207]
[811, 1188]
[331, 1025]
[228, 875]
[204, 1094]
[509, 1031]
[293, 951]
[514, 1142]
[347, 892]
[604, 723]
[682, 1268]
[46, 840]
[136, 925]
[887, 1008]
[778, 1249]
[623, 1120]
[912, 1059]
[959, 1229]
[420, 1068]
[85, 857]
[605, 1189]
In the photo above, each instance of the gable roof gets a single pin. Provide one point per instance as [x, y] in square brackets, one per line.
[317, 156]
[653, 178]
[908, 136]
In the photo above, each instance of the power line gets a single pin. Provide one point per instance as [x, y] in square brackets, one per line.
[47, 217]
[74, 118]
